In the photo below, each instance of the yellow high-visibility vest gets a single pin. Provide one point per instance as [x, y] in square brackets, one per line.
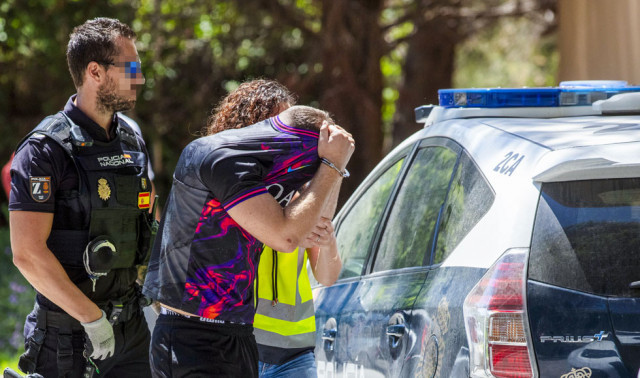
[285, 316]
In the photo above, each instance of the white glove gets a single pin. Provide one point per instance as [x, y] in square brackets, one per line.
[101, 339]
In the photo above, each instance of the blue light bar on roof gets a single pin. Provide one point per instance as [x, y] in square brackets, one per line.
[570, 93]
[594, 83]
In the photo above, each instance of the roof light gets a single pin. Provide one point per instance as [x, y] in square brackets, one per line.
[569, 93]
[594, 83]
[496, 321]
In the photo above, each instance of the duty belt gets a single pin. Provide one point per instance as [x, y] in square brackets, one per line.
[59, 320]
[117, 310]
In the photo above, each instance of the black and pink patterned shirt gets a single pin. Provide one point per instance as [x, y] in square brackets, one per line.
[202, 261]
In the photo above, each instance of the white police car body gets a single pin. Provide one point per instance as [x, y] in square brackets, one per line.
[501, 240]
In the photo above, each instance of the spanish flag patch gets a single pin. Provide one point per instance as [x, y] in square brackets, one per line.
[144, 200]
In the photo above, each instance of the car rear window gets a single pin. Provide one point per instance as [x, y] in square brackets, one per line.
[586, 236]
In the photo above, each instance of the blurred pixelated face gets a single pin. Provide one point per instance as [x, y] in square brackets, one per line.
[124, 77]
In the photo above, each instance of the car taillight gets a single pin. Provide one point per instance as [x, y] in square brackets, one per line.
[496, 320]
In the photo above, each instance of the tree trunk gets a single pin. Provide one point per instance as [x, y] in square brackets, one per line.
[428, 67]
[599, 40]
[352, 89]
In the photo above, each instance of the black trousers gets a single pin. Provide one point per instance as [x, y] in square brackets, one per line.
[131, 358]
[188, 347]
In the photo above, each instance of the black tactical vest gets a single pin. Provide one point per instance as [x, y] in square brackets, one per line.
[112, 200]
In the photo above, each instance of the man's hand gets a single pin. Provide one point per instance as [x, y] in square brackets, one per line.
[101, 338]
[321, 235]
[335, 144]
[323, 254]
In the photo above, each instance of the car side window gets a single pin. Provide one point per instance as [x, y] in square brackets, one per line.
[469, 199]
[409, 231]
[357, 228]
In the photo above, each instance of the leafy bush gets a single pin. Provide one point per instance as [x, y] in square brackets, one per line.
[16, 301]
[9, 361]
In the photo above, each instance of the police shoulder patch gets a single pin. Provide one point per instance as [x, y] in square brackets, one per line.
[40, 188]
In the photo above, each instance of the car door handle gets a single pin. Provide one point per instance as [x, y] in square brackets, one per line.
[328, 338]
[396, 330]
[329, 335]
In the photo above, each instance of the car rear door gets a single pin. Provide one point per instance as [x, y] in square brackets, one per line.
[403, 255]
[584, 276]
[437, 318]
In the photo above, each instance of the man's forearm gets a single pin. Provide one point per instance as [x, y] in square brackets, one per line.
[53, 282]
[48, 277]
[42, 269]
[332, 202]
[327, 263]
[286, 229]
[319, 199]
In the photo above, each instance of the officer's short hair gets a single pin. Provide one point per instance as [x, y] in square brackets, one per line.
[305, 117]
[94, 41]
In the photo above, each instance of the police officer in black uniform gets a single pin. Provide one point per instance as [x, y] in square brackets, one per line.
[80, 220]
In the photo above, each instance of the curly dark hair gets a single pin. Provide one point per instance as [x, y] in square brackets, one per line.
[94, 41]
[252, 102]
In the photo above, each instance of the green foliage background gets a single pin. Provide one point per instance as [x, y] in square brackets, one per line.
[193, 52]
[17, 301]
[512, 53]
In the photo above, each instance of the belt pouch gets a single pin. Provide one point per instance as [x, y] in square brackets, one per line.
[65, 351]
[29, 359]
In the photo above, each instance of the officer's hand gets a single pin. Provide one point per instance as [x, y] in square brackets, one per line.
[100, 335]
[335, 144]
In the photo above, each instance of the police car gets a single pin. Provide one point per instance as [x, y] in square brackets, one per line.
[502, 240]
